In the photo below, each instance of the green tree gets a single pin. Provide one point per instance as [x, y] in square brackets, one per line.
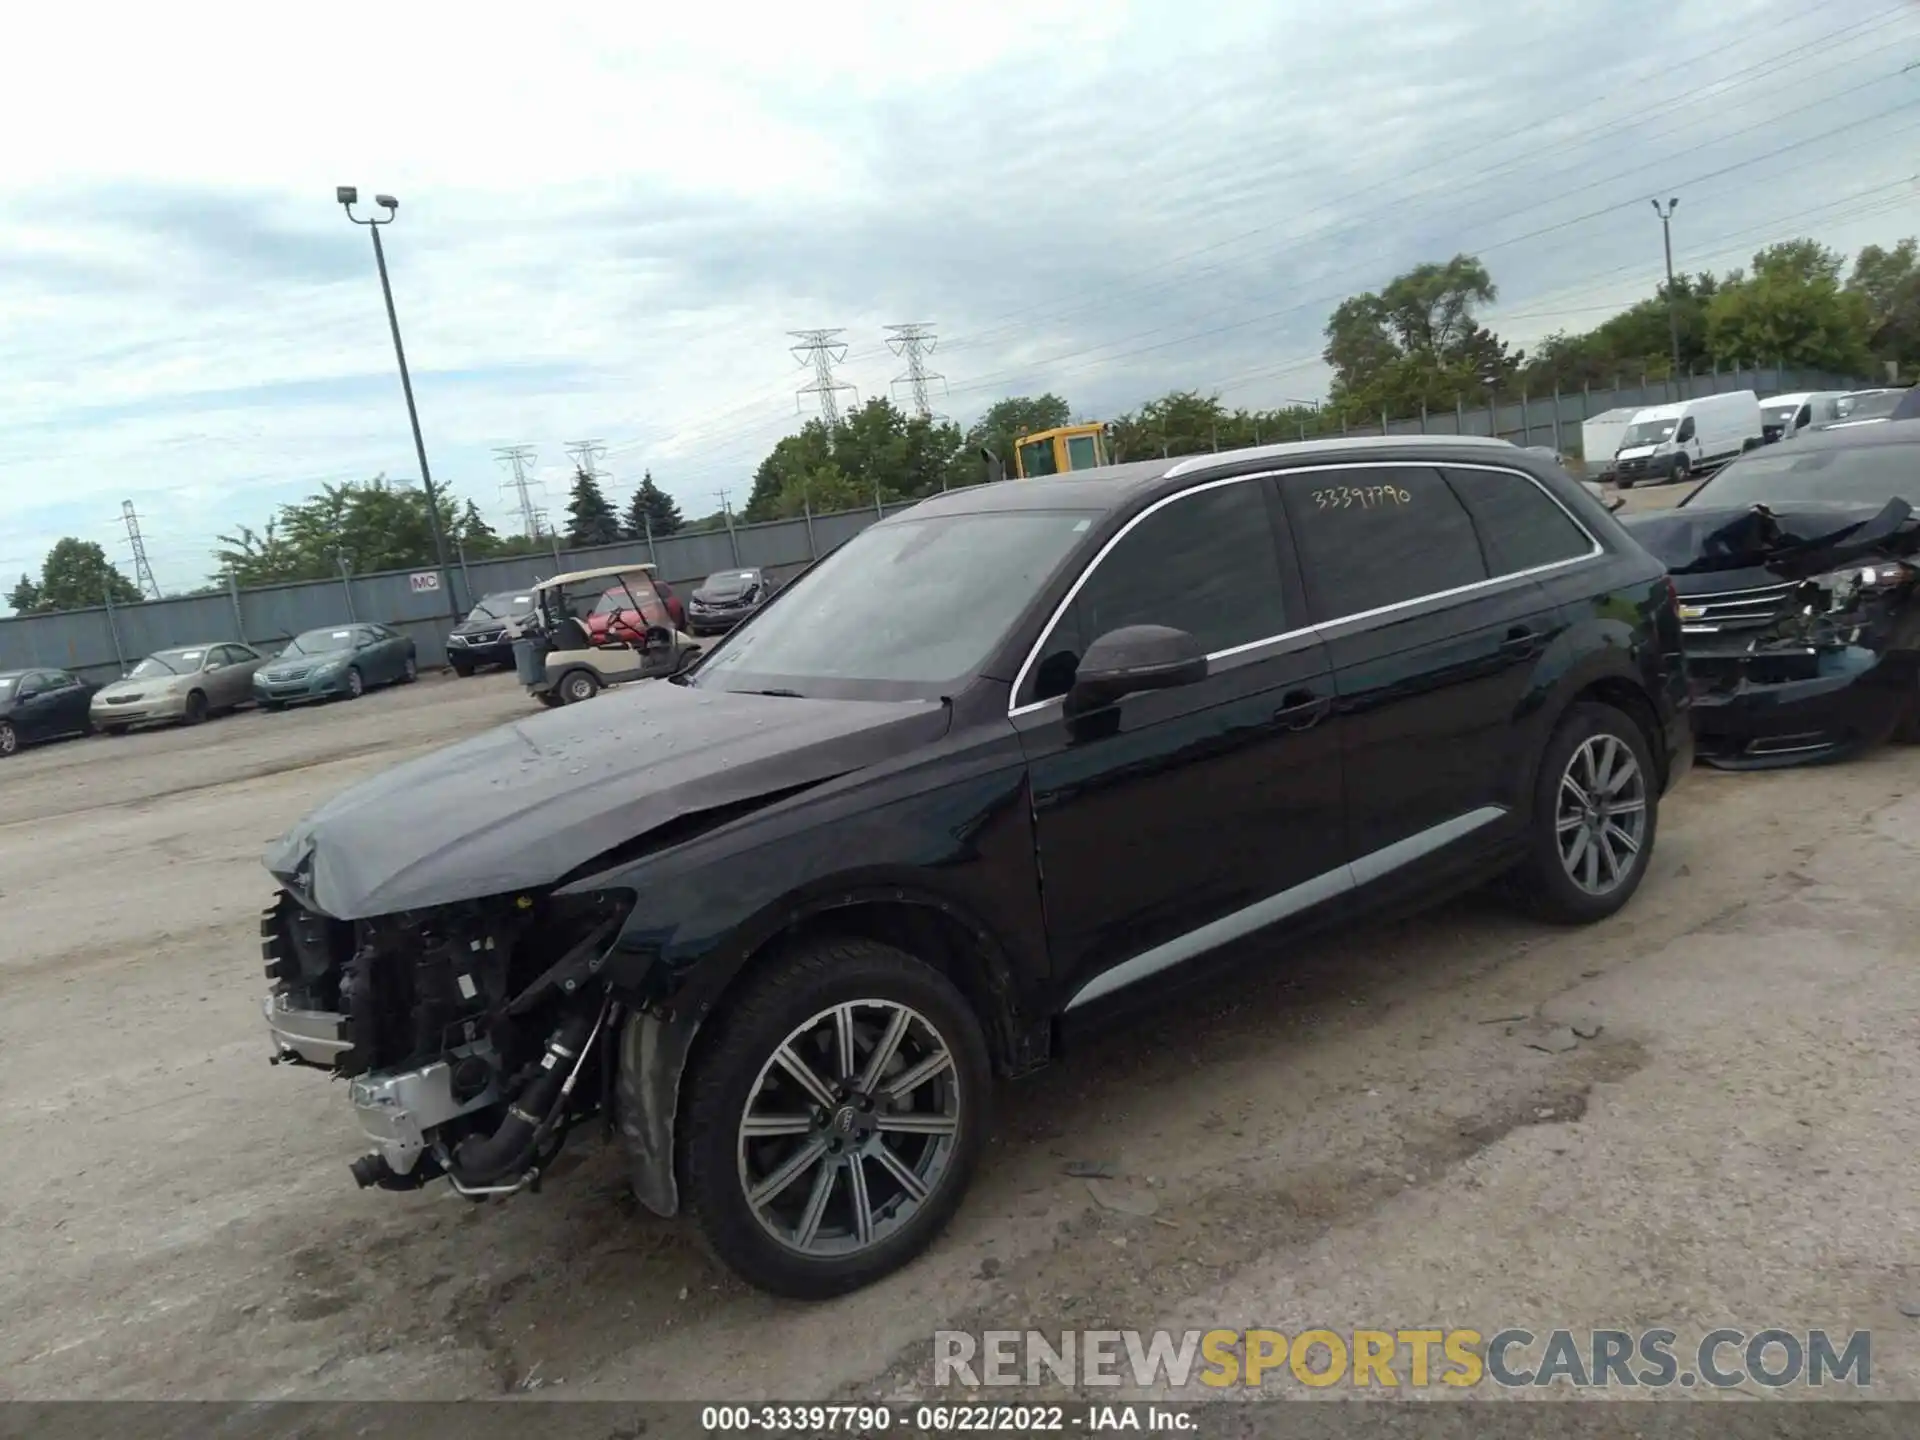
[590, 519]
[873, 450]
[1636, 341]
[373, 525]
[1889, 281]
[1007, 420]
[781, 480]
[24, 598]
[651, 507]
[1790, 311]
[76, 575]
[1416, 343]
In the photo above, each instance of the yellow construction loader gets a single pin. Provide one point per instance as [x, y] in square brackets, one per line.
[1067, 447]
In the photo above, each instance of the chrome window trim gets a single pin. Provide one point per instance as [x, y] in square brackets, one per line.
[1595, 549]
[1327, 885]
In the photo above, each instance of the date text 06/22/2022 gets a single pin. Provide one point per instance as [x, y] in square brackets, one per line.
[943, 1419]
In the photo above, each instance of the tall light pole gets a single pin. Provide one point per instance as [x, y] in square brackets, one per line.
[1673, 322]
[349, 196]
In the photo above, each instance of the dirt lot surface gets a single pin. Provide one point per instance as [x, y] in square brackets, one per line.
[1356, 1135]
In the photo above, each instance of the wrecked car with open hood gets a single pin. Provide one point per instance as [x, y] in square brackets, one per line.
[1001, 763]
[1796, 568]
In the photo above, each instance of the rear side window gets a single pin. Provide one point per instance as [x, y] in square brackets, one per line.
[1374, 536]
[1520, 525]
[1204, 563]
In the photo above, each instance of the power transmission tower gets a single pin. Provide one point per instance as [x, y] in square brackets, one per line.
[823, 349]
[915, 343]
[586, 456]
[518, 457]
[142, 572]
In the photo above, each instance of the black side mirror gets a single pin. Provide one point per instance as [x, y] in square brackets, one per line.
[1134, 658]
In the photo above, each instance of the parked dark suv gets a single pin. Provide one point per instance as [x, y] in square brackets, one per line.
[1002, 764]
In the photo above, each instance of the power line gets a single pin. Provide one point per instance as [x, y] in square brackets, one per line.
[823, 349]
[586, 456]
[915, 342]
[518, 457]
[142, 572]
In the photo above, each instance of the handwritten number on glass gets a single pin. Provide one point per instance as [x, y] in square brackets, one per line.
[1362, 497]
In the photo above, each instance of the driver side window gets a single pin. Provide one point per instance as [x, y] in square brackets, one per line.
[1686, 429]
[1204, 562]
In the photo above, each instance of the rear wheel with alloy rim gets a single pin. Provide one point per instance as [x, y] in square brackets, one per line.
[1595, 813]
[409, 672]
[356, 686]
[832, 1128]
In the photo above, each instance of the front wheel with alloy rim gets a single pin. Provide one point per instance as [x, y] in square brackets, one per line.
[195, 710]
[9, 739]
[356, 687]
[410, 672]
[1596, 808]
[831, 1128]
[1682, 471]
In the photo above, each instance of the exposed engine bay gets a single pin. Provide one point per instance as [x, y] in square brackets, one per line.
[1801, 625]
[472, 1035]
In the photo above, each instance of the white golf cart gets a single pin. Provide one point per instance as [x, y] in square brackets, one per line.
[595, 628]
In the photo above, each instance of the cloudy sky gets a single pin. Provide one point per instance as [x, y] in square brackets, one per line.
[611, 216]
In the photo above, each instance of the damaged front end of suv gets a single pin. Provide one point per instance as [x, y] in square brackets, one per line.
[468, 1032]
[1801, 625]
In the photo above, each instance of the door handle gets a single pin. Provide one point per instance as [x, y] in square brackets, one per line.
[1522, 640]
[1302, 709]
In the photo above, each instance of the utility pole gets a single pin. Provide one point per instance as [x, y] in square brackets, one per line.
[822, 349]
[518, 458]
[726, 510]
[142, 572]
[914, 343]
[348, 197]
[1673, 321]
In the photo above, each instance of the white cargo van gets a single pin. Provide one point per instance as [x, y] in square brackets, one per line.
[1687, 438]
[1784, 416]
[1600, 437]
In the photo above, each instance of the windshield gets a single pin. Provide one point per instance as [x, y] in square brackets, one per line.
[1036, 458]
[7, 682]
[168, 662]
[918, 604]
[1861, 475]
[1777, 414]
[1867, 407]
[320, 642]
[500, 607]
[1648, 432]
[730, 580]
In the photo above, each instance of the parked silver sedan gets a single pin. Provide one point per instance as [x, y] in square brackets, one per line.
[185, 684]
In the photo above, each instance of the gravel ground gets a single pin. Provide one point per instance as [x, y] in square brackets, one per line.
[1359, 1134]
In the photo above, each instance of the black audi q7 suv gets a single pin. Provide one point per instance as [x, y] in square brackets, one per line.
[1004, 763]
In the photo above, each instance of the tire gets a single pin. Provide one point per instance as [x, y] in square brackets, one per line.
[462, 668]
[549, 699]
[1544, 882]
[410, 672]
[9, 739]
[195, 710]
[116, 731]
[578, 685]
[1622, 483]
[790, 1005]
[1682, 471]
[356, 683]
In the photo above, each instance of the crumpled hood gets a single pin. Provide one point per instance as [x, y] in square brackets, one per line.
[725, 595]
[526, 803]
[1790, 541]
